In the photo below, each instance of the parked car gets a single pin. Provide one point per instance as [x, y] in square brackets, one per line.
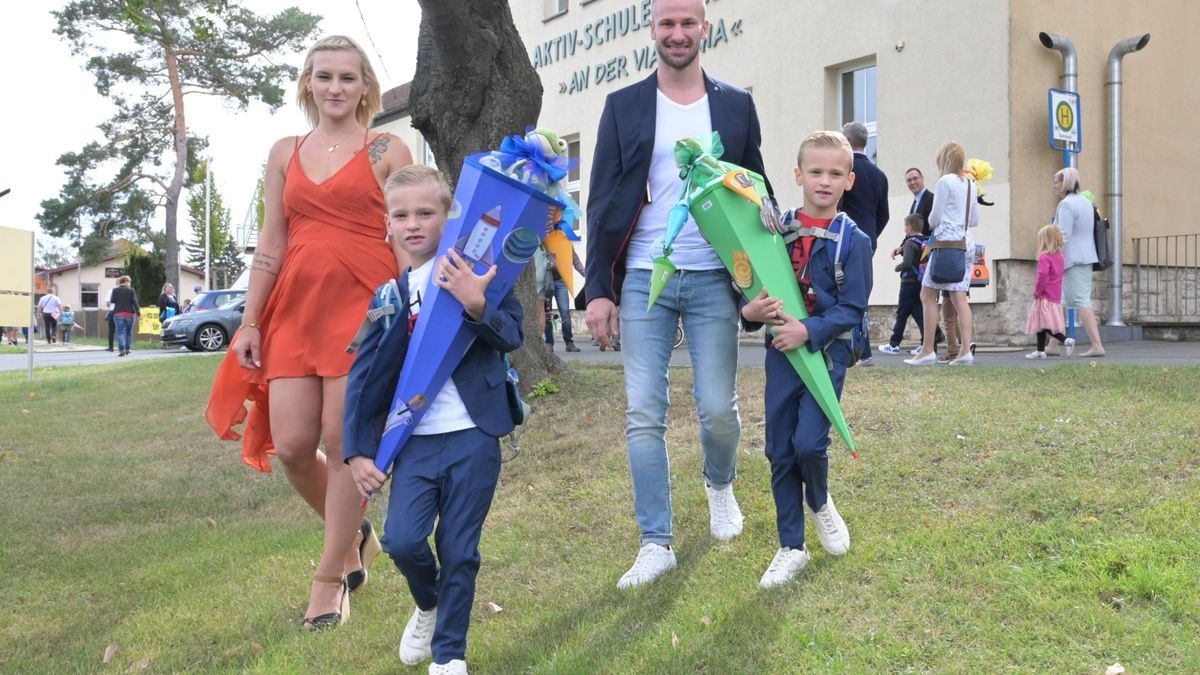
[214, 299]
[205, 331]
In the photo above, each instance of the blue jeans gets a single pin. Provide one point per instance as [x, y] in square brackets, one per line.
[563, 298]
[124, 332]
[705, 301]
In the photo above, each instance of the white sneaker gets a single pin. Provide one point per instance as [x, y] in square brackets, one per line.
[831, 529]
[916, 350]
[888, 349]
[455, 667]
[1068, 347]
[787, 564]
[724, 516]
[414, 645]
[1035, 355]
[653, 560]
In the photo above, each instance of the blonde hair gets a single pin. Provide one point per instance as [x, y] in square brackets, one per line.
[826, 139]
[1070, 179]
[1050, 239]
[951, 158]
[416, 174]
[372, 99]
[166, 286]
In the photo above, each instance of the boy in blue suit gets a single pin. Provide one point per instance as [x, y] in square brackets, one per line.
[797, 430]
[447, 471]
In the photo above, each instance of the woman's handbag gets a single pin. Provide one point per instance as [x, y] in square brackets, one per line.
[948, 261]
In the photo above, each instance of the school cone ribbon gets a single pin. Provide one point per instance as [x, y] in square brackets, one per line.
[497, 220]
[726, 209]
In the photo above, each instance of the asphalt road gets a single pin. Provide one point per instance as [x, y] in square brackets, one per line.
[82, 356]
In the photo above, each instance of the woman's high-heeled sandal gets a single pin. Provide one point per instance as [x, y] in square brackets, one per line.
[368, 549]
[330, 619]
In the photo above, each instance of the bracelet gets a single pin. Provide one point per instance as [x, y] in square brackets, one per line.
[251, 325]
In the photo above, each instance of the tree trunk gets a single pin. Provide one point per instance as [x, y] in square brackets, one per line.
[181, 158]
[473, 86]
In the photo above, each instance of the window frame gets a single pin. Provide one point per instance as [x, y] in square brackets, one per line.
[872, 149]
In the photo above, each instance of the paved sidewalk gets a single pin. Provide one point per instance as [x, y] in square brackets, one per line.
[751, 354]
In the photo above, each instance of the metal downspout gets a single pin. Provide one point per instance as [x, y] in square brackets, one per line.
[1116, 280]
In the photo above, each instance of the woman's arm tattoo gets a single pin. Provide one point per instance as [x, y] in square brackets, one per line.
[378, 148]
[265, 263]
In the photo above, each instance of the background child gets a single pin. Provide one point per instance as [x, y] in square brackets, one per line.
[797, 429]
[909, 303]
[447, 471]
[1046, 314]
[66, 323]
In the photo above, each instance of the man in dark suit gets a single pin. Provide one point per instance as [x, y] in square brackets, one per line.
[867, 202]
[922, 199]
[634, 182]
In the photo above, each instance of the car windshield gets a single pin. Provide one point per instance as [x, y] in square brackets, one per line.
[233, 303]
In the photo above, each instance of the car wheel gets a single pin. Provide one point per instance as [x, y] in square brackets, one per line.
[210, 338]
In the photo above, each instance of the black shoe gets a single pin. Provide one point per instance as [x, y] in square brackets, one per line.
[972, 349]
[368, 548]
[332, 618]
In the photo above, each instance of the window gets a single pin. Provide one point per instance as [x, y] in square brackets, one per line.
[554, 8]
[573, 181]
[89, 296]
[857, 101]
[427, 156]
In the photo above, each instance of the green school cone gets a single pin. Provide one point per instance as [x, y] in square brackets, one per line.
[659, 276]
[758, 258]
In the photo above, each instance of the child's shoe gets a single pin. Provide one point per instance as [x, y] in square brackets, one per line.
[1035, 355]
[1068, 347]
[418, 634]
[787, 564]
[455, 667]
[831, 529]
[889, 349]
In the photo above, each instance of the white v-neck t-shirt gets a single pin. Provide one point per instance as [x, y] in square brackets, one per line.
[447, 412]
[690, 250]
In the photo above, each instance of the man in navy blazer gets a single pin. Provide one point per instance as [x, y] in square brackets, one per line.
[634, 182]
[867, 202]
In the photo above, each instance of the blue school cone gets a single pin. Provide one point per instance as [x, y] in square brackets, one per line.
[755, 257]
[499, 221]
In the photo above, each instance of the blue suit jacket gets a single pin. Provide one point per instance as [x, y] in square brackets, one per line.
[621, 169]
[479, 377]
[867, 202]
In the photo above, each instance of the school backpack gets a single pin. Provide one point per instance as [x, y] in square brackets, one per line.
[859, 334]
[918, 269]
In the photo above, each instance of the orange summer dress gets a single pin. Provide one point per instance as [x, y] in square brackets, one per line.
[336, 257]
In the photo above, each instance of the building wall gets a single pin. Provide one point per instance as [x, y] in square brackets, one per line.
[927, 91]
[1159, 95]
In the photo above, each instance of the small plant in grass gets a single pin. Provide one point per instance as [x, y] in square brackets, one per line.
[544, 387]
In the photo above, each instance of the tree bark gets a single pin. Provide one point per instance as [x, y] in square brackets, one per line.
[474, 85]
[181, 160]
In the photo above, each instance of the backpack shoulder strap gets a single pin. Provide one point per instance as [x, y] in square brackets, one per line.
[385, 304]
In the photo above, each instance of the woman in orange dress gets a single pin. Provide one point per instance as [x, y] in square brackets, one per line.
[321, 253]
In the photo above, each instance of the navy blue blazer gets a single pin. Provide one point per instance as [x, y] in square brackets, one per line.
[479, 377]
[867, 202]
[621, 169]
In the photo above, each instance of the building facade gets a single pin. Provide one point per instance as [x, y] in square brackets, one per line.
[918, 74]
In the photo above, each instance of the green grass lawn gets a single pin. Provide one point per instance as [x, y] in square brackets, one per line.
[1002, 521]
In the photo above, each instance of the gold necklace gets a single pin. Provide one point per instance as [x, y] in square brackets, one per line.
[335, 146]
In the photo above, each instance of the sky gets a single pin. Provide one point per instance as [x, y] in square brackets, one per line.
[64, 109]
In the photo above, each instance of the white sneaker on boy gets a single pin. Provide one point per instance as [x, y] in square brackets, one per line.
[831, 529]
[653, 561]
[724, 517]
[455, 667]
[1035, 355]
[787, 564]
[1068, 347]
[889, 349]
[418, 634]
